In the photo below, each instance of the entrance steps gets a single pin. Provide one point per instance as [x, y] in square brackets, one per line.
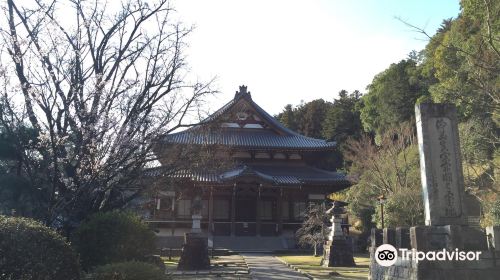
[254, 244]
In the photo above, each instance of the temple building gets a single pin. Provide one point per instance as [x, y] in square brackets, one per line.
[263, 194]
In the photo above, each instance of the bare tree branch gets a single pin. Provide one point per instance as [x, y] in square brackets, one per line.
[99, 92]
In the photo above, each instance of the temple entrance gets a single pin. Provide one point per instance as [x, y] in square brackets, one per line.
[268, 216]
[246, 209]
[246, 213]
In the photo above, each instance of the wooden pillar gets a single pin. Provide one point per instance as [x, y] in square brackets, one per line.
[211, 228]
[279, 206]
[174, 215]
[258, 214]
[233, 210]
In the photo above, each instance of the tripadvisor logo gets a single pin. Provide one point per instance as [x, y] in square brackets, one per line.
[386, 255]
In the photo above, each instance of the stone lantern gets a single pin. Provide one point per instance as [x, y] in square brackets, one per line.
[337, 251]
[194, 255]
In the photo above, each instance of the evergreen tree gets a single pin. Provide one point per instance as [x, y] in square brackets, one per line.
[392, 96]
[343, 119]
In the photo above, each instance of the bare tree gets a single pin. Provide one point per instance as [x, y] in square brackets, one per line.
[97, 88]
[389, 167]
[314, 229]
[478, 142]
[388, 163]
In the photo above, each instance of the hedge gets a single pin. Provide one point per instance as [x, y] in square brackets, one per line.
[113, 237]
[128, 271]
[30, 250]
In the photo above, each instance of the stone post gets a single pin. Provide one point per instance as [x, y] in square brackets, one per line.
[493, 233]
[376, 237]
[402, 237]
[389, 236]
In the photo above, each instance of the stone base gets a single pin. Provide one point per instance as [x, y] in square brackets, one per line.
[337, 252]
[437, 238]
[486, 268]
[194, 255]
[431, 238]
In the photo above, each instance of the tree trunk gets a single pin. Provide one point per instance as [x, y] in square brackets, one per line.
[315, 249]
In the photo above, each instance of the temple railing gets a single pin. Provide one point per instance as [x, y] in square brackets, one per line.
[241, 228]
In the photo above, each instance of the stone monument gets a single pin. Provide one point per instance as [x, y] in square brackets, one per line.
[442, 181]
[440, 164]
[446, 224]
[337, 251]
[194, 255]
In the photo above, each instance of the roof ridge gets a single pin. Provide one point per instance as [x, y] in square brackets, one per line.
[266, 117]
[243, 93]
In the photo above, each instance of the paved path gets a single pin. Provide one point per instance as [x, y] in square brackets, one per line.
[232, 267]
[264, 267]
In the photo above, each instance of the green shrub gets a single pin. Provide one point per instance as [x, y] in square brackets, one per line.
[495, 213]
[128, 271]
[403, 208]
[30, 250]
[113, 237]
[155, 260]
[491, 212]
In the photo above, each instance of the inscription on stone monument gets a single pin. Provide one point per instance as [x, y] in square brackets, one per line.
[440, 164]
[442, 154]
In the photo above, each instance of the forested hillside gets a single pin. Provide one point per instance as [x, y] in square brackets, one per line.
[375, 130]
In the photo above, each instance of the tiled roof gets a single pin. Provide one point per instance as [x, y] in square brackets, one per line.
[278, 175]
[279, 137]
[298, 173]
[237, 137]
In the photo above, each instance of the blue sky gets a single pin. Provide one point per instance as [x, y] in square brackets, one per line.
[289, 51]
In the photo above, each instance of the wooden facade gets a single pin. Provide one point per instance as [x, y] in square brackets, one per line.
[244, 209]
[266, 193]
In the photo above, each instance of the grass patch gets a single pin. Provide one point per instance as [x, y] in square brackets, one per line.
[171, 264]
[311, 265]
